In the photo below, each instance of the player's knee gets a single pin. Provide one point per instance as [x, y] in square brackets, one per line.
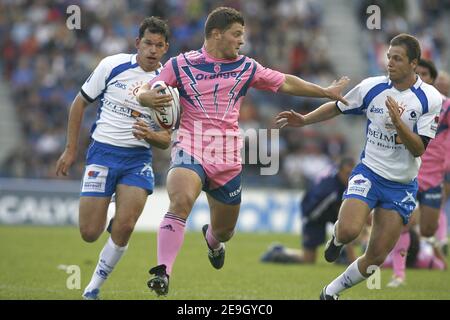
[181, 204]
[428, 230]
[224, 234]
[376, 257]
[347, 234]
[125, 227]
[377, 260]
[90, 234]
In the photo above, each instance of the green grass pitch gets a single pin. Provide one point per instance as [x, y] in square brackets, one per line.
[30, 257]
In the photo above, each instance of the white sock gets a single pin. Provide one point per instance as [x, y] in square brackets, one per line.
[348, 279]
[109, 257]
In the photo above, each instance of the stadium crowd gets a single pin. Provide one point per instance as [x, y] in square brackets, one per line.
[45, 64]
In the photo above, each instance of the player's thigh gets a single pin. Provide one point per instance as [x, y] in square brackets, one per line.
[429, 219]
[223, 216]
[414, 219]
[93, 212]
[386, 228]
[130, 202]
[352, 217]
[430, 202]
[446, 188]
[183, 186]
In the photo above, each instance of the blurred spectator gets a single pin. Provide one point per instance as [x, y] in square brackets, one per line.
[428, 24]
[46, 63]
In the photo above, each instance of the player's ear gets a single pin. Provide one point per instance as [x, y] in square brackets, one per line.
[215, 33]
[137, 42]
[414, 63]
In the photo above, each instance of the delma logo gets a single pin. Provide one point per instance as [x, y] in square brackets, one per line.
[93, 174]
[359, 181]
[376, 110]
[168, 227]
[380, 135]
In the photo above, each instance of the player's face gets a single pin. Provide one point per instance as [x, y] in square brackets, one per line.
[424, 74]
[151, 48]
[399, 66]
[231, 41]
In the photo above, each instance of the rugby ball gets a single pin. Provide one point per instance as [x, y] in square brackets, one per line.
[167, 117]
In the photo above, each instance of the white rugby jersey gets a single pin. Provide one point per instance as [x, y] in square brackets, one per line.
[115, 83]
[384, 152]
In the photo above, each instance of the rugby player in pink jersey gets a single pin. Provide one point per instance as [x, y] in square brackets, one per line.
[212, 82]
[442, 83]
[431, 173]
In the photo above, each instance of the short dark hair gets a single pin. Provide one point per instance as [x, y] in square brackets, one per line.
[410, 43]
[430, 66]
[222, 18]
[154, 25]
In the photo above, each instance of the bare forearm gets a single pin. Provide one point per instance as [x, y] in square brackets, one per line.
[298, 87]
[160, 139]
[412, 141]
[322, 113]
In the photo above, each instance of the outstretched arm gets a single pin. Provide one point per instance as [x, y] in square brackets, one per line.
[294, 119]
[295, 86]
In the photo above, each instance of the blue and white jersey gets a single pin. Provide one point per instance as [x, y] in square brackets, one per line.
[384, 152]
[115, 83]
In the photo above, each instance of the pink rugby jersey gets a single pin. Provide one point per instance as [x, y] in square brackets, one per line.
[211, 93]
[446, 126]
[435, 158]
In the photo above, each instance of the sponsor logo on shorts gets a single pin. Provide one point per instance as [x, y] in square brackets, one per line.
[93, 174]
[409, 197]
[235, 192]
[359, 185]
[147, 170]
[94, 178]
[433, 196]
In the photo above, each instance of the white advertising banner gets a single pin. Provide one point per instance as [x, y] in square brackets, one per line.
[54, 202]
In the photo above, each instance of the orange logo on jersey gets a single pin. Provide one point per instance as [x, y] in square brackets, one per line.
[401, 108]
[135, 88]
[135, 114]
